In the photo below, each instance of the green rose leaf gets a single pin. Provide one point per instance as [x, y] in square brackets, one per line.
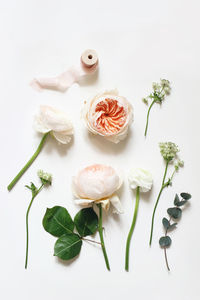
[166, 223]
[57, 221]
[165, 241]
[86, 221]
[172, 226]
[176, 200]
[186, 196]
[175, 212]
[181, 203]
[68, 246]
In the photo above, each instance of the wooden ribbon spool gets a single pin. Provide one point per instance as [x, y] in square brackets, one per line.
[89, 59]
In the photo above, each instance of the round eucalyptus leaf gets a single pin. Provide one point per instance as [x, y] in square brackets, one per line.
[57, 221]
[166, 223]
[165, 241]
[68, 246]
[186, 196]
[181, 203]
[174, 212]
[172, 226]
[176, 200]
[86, 221]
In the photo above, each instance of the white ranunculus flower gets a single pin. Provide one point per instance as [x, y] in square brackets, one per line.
[140, 178]
[55, 121]
[97, 184]
[108, 115]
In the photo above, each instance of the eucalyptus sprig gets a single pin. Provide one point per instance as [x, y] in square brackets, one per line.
[168, 151]
[58, 222]
[160, 91]
[46, 180]
[174, 213]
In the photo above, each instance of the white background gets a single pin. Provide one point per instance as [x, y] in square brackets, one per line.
[138, 42]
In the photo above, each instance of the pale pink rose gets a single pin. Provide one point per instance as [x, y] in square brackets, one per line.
[108, 115]
[97, 184]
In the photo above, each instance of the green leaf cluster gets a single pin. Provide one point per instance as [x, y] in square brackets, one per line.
[58, 222]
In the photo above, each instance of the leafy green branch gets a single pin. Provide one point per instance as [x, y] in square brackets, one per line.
[175, 213]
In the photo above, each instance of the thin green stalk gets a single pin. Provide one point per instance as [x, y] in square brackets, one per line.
[27, 165]
[101, 237]
[147, 121]
[131, 229]
[27, 231]
[165, 250]
[156, 204]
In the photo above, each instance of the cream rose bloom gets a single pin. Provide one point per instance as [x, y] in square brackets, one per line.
[97, 184]
[108, 115]
[140, 178]
[55, 121]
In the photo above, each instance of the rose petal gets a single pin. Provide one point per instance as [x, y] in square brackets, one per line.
[117, 204]
[105, 204]
[84, 202]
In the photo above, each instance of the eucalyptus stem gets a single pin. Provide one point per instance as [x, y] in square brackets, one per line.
[101, 237]
[27, 165]
[147, 121]
[131, 229]
[156, 204]
[27, 228]
[165, 250]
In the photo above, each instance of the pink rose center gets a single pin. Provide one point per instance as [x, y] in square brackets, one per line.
[112, 118]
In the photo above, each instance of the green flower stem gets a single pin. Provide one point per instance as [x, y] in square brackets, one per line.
[172, 175]
[101, 237]
[156, 204]
[27, 231]
[147, 121]
[27, 165]
[131, 229]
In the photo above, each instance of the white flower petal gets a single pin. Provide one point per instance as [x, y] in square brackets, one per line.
[117, 204]
[62, 137]
[51, 119]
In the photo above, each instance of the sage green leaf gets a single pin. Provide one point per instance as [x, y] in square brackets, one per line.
[172, 226]
[181, 203]
[68, 246]
[57, 221]
[166, 223]
[176, 200]
[186, 196]
[165, 241]
[175, 212]
[86, 221]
